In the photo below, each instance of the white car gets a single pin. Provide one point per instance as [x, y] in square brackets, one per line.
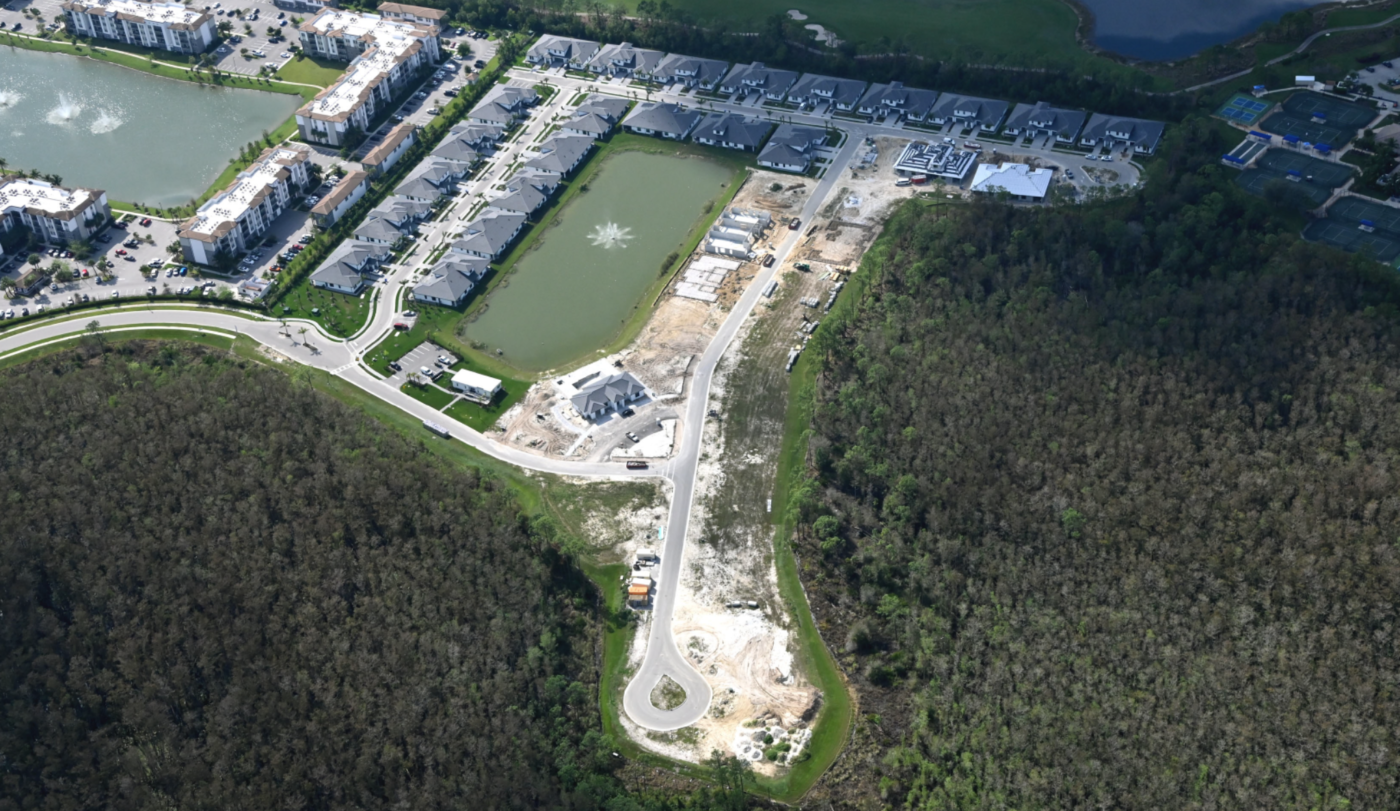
[285, 55]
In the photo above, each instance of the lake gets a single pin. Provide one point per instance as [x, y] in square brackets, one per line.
[571, 294]
[140, 138]
[1173, 29]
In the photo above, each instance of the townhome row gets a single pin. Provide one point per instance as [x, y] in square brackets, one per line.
[52, 213]
[891, 102]
[385, 54]
[235, 219]
[162, 26]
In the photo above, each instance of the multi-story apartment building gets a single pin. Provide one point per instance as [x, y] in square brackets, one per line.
[166, 26]
[384, 54]
[237, 217]
[51, 213]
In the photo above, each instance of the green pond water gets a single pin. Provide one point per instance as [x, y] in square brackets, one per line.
[572, 293]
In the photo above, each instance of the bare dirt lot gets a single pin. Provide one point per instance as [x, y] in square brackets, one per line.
[745, 653]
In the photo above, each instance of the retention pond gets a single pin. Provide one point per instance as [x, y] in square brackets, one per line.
[140, 138]
[573, 292]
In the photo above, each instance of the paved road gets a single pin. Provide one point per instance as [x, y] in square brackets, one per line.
[663, 657]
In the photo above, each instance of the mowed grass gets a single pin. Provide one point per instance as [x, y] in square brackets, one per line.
[1025, 33]
[338, 314]
[309, 70]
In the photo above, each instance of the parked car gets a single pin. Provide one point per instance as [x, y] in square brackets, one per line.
[400, 325]
[627, 412]
[393, 364]
[633, 437]
[636, 464]
[795, 223]
[145, 222]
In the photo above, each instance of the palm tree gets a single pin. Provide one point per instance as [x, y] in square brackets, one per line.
[302, 332]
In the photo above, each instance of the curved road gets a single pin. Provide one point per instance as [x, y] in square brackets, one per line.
[342, 359]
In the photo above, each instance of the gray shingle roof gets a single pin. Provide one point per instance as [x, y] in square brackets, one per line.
[457, 149]
[813, 87]
[419, 187]
[759, 76]
[731, 128]
[984, 112]
[561, 153]
[589, 124]
[490, 233]
[401, 211]
[525, 198]
[349, 259]
[691, 70]
[451, 279]
[609, 392]
[912, 101]
[375, 228]
[613, 109]
[625, 57]
[1140, 132]
[550, 48]
[478, 136]
[1041, 116]
[662, 117]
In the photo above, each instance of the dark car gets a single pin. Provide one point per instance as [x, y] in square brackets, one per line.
[393, 364]
[627, 412]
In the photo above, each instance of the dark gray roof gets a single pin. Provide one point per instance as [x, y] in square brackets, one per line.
[783, 155]
[349, 259]
[420, 187]
[731, 128]
[493, 113]
[792, 145]
[593, 125]
[693, 68]
[759, 76]
[626, 57]
[613, 109]
[1041, 116]
[458, 149]
[895, 96]
[376, 228]
[490, 233]
[1139, 131]
[478, 136]
[985, 112]
[610, 391]
[451, 279]
[401, 210]
[549, 48]
[561, 153]
[662, 117]
[441, 170]
[525, 195]
[814, 87]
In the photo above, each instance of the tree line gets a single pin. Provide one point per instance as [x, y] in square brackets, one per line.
[222, 589]
[1102, 506]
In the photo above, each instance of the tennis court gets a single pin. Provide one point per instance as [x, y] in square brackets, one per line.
[1315, 179]
[1349, 237]
[1341, 119]
[1342, 228]
[1324, 173]
[1243, 109]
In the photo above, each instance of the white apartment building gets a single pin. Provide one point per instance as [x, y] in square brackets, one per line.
[165, 26]
[237, 217]
[51, 213]
[383, 53]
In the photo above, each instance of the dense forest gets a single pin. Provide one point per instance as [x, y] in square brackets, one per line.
[221, 589]
[782, 42]
[1102, 511]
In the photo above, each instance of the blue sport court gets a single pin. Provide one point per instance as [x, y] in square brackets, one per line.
[1244, 109]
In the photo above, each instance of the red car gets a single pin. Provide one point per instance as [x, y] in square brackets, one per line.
[146, 221]
[795, 224]
[400, 325]
[121, 251]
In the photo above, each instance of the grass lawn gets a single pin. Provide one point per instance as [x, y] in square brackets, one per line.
[1026, 33]
[339, 314]
[429, 393]
[309, 70]
[433, 320]
[482, 417]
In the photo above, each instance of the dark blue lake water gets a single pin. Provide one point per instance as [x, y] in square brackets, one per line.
[1159, 30]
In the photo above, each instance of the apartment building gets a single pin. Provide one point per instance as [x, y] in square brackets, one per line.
[236, 218]
[51, 213]
[162, 26]
[384, 55]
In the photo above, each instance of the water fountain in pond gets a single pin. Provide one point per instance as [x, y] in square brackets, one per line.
[610, 235]
[106, 122]
[65, 112]
[9, 98]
